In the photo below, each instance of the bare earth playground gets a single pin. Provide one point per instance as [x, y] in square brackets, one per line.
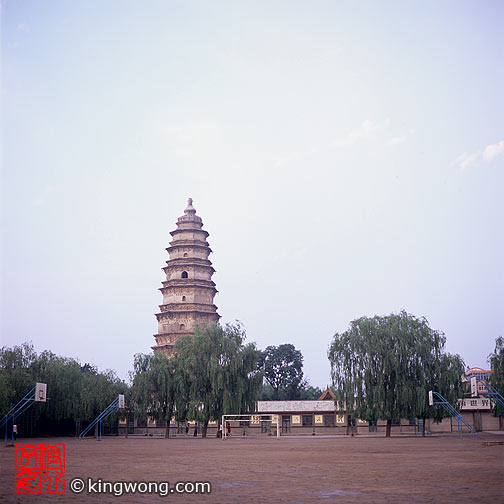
[291, 470]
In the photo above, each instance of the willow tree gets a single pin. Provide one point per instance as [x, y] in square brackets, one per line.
[217, 373]
[76, 392]
[384, 367]
[15, 374]
[496, 359]
[153, 392]
[65, 383]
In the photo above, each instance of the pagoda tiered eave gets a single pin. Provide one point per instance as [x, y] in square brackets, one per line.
[166, 290]
[188, 230]
[188, 261]
[187, 243]
[166, 309]
[181, 283]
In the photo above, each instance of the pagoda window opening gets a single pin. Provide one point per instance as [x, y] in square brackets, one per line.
[184, 274]
[183, 298]
[185, 254]
[182, 327]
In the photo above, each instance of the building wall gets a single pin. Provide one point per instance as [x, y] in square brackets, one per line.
[446, 426]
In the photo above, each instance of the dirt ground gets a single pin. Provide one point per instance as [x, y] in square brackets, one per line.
[437, 469]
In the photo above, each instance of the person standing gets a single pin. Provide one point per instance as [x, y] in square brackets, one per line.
[195, 429]
[229, 429]
[187, 425]
[14, 431]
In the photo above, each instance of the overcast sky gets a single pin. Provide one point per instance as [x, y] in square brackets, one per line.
[347, 159]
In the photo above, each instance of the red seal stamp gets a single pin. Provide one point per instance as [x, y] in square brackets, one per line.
[40, 468]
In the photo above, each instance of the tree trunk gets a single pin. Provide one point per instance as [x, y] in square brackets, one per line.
[167, 431]
[389, 428]
[204, 430]
[423, 426]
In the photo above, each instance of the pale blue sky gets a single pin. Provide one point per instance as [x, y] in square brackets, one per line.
[347, 159]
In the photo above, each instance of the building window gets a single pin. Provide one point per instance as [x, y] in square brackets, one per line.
[185, 254]
[182, 327]
[184, 274]
[307, 420]
[183, 298]
[329, 420]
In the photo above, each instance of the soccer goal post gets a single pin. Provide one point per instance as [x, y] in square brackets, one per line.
[256, 418]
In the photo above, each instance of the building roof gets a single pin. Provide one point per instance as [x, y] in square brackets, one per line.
[477, 370]
[328, 395]
[295, 406]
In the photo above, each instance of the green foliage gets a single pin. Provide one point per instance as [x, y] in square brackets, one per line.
[265, 392]
[154, 387]
[496, 359]
[217, 373]
[15, 374]
[305, 392]
[384, 367]
[308, 392]
[283, 370]
[75, 393]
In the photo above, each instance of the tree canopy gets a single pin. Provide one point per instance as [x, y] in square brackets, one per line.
[384, 367]
[305, 392]
[283, 370]
[496, 359]
[77, 393]
[217, 373]
[154, 389]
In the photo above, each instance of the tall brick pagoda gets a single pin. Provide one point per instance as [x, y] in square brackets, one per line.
[188, 291]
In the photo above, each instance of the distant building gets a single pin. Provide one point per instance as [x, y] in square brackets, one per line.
[327, 395]
[479, 374]
[188, 290]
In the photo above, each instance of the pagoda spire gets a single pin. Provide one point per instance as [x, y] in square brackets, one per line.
[188, 290]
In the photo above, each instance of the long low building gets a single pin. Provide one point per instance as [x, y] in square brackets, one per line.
[321, 417]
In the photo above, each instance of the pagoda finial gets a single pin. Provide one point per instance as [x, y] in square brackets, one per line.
[189, 209]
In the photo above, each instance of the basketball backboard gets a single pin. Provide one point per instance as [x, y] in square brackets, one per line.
[41, 392]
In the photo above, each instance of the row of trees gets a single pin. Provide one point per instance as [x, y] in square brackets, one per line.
[212, 373]
[382, 368]
[77, 393]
